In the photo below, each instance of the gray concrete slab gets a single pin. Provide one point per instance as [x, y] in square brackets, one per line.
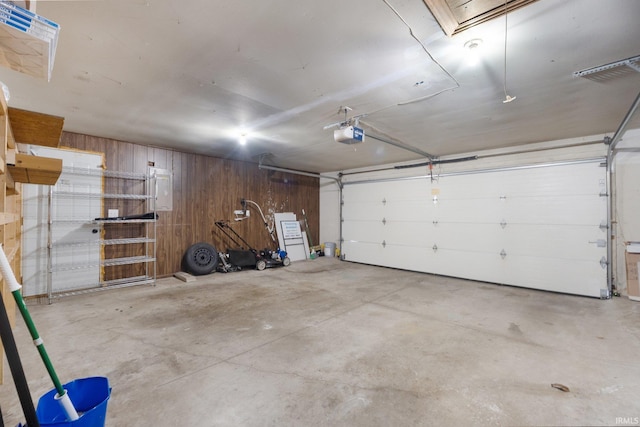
[324, 342]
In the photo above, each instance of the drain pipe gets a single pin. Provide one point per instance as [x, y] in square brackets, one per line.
[611, 153]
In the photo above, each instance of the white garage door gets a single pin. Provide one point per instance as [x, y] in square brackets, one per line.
[536, 227]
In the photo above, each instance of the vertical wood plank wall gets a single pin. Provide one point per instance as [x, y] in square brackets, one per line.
[207, 189]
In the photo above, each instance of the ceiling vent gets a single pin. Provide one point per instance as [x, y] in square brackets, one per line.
[611, 70]
[455, 16]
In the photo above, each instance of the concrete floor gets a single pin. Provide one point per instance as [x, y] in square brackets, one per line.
[330, 343]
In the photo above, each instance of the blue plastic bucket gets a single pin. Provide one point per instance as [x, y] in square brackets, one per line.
[89, 397]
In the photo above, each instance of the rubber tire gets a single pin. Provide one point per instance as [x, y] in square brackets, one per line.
[286, 261]
[201, 258]
[261, 265]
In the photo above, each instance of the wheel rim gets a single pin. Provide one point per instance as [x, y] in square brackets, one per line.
[202, 257]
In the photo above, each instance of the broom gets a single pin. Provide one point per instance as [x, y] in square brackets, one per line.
[62, 396]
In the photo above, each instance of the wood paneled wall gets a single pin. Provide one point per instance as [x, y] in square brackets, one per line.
[205, 190]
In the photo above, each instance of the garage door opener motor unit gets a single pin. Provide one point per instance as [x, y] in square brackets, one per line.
[349, 135]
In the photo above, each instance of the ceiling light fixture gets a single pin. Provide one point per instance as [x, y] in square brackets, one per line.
[473, 44]
[473, 48]
[242, 139]
[507, 98]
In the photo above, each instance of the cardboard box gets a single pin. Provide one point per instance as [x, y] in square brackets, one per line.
[633, 283]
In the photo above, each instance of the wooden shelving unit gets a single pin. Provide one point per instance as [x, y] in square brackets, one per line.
[19, 126]
[28, 48]
[10, 214]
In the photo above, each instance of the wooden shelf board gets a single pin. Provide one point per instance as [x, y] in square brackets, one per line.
[35, 128]
[35, 169]
[7, 217]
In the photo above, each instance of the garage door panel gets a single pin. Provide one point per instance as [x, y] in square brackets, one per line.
[387, 191]
[467, 264]
[543, 181]
[470, 210]
[364, 252]
[555, 241]
[555, 210]
[534, 227]
[409, 188]
[450, 186]
[551, 181]
[531, 272]
[552, 242]
[474, 237]
[386, 208]
[364, 193]
[586, 179]
[405, 257]
[359, 211]
[407, 210]
[409, 233]
[537, 210]
[551, 274]
[366, 231]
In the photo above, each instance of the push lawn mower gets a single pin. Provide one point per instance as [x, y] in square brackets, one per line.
[247, 256]
[202, 258]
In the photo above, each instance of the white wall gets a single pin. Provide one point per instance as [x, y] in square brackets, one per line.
[329, 211]
[627, 179]
[626, 213]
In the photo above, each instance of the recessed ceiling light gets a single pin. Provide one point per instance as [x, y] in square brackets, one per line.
[473, 44]
[473, 49]
[242, 139]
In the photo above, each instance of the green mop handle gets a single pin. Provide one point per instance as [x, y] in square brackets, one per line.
[14, 288]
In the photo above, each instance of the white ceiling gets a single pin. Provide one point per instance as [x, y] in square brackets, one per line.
[190, 74]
